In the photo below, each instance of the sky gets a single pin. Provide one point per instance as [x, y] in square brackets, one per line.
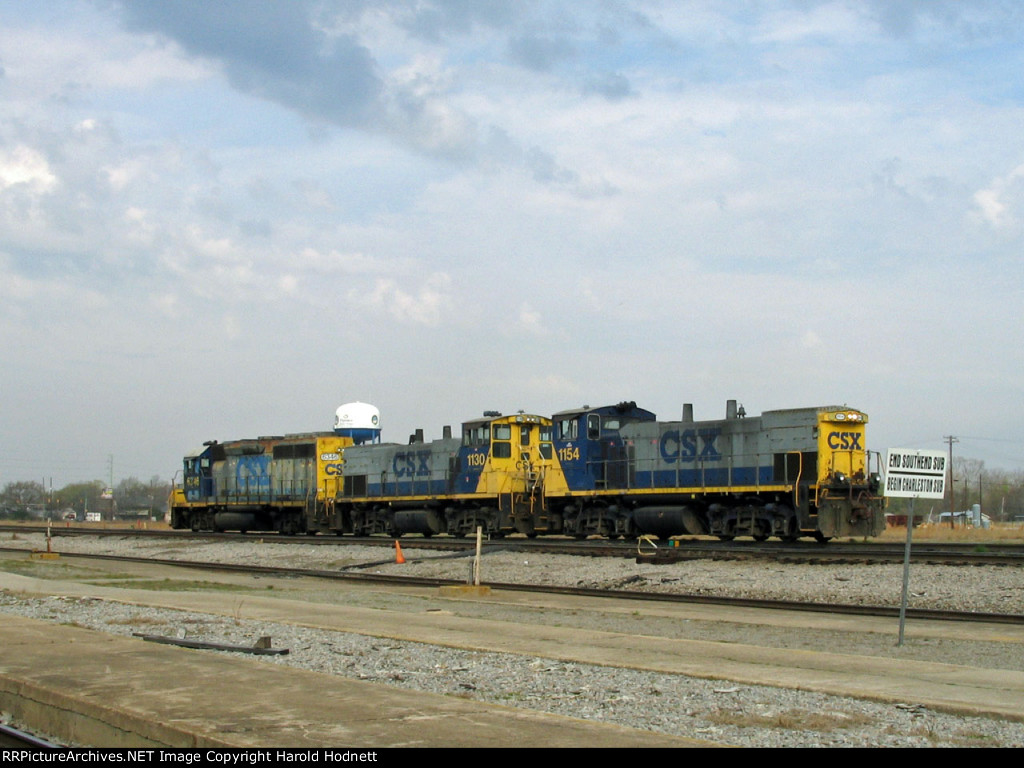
[224, 219]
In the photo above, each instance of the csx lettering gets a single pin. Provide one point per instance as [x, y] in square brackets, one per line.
[333, 470]
[411, 463]
[681, 445]
[845, 441]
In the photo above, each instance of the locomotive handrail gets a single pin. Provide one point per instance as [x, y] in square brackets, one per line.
[799, 476]
[754, 464]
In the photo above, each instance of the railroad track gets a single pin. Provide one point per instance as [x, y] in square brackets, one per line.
[14, 738]
[667, 552]
[358, 573]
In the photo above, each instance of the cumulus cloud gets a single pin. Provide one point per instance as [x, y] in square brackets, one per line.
[272, 50]
[1000, 202]
[530, 320]
[540, 52]
[26, 167]
[427, 305]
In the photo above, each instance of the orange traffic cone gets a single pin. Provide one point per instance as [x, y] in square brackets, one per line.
[399, 557]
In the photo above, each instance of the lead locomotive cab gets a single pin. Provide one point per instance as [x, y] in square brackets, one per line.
[846, 495]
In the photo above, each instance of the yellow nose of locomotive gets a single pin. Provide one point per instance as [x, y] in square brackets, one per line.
[841, 449]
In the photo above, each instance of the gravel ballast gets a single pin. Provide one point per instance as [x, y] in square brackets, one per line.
[715, 710]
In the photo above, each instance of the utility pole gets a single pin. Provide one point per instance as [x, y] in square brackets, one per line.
[110, 461]
[952, 496]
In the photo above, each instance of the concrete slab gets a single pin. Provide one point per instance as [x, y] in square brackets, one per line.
[95, 689]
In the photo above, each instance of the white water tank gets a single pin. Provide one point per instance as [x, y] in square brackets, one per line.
[360, 421]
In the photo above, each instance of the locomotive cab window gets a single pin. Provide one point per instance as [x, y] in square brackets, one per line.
[567, 429]
[593, 427]
[544, 437]
[524, 435]
[501, 448]
[476, 435]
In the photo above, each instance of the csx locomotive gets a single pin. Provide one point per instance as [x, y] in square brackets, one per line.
[612, 471]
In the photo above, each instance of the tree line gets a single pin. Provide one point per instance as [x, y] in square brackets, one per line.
[31, 500]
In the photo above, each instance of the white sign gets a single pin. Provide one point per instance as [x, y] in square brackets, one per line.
[913, 474]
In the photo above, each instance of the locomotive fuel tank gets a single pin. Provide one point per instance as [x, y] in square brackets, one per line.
[667, 521]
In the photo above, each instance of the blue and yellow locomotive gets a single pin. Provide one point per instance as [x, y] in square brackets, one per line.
[787, 473]
[264, 484]
[611, 471]
[492, 476]
[287, 484]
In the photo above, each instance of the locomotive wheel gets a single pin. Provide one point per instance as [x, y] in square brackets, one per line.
[821, 538]
[792, 531]
[760, 537]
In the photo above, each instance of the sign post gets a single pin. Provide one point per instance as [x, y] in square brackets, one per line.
[911, 474]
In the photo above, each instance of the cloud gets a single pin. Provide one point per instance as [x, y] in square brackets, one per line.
[26, 167]
[1002, 200]
[530, 321]
[439, 190]
[540, 53]
[272, 50]
[613, 86]
[427, 306]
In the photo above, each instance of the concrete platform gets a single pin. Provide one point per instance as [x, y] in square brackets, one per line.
[104, 690]
[95, 689]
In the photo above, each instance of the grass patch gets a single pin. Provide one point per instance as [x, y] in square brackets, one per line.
[172, 585]
[960, 738]
[999, 533]
[790, 720]
[137, 621]
[48, 569]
